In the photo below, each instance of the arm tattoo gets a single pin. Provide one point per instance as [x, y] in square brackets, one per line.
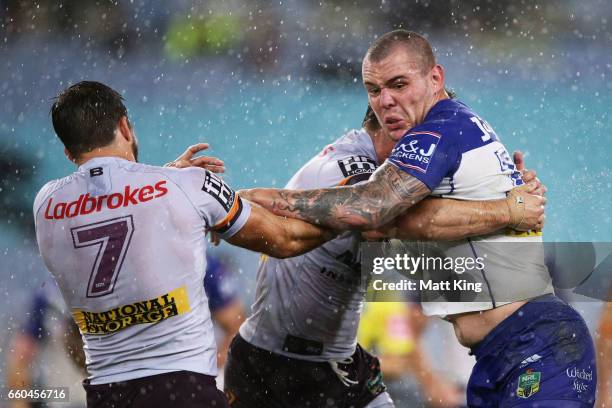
[388, 193]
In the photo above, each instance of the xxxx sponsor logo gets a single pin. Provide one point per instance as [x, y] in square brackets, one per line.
[153, 310]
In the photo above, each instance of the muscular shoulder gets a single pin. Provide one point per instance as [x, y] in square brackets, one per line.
[354, 142]
[48, 189]
[453, 119]
[179, 176]
[42, 194]
[183, 177]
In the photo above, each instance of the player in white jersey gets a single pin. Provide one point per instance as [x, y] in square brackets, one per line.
[125, 243]
[444, 148]
[307, 308]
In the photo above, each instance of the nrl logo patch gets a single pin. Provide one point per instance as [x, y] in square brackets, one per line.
[528, 384]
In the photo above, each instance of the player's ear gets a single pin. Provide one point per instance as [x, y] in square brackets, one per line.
[125, 130]
[437, 77]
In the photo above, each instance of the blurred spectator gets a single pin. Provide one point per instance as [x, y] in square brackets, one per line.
[393, 331]
[15, 189]
[101, 23]
[225, 306]
[189, 37]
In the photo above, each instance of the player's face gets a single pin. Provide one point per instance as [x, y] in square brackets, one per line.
[399, 92]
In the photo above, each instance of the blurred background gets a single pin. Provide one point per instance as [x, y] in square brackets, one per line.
[269, 83]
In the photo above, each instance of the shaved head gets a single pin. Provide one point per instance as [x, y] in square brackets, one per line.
[409, 41]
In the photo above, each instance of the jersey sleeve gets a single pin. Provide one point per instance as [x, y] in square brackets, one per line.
[341, 170]
[355, 169]
[41, 196]
[427, 155]
[223, 210]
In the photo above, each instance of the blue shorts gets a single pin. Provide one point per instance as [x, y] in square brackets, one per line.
[540, 356]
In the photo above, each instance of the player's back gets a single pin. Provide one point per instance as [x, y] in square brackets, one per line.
[125, 243]
[309, 306]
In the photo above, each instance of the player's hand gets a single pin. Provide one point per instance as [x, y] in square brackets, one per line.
[529, 176]
[526, 210]
[534, 184]
[205, 162]
[519, 160]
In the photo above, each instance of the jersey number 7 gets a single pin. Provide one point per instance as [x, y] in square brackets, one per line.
[113, 239]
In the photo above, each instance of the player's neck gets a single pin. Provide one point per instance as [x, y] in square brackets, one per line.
[383, 145]
[440, 97]
[107, 151]
[436, 97]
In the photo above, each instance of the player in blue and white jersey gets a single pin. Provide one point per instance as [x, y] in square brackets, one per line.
[307, 308]
[447, 150]
[125, 243]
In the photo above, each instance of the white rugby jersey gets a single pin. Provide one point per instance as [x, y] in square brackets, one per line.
[458, 155]
[125, 243]
[308, 307]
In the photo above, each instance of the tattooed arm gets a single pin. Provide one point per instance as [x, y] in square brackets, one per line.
[387, 194]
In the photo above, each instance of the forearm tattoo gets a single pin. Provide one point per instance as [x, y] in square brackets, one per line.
[387, 194]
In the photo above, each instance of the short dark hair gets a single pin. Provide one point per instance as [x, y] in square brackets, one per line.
[382, 47]
[85, 116]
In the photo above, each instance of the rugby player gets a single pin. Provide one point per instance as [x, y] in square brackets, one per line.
[530, 347]
[307, 308]
[125, 243]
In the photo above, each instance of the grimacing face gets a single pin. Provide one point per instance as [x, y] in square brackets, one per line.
[399, 92]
